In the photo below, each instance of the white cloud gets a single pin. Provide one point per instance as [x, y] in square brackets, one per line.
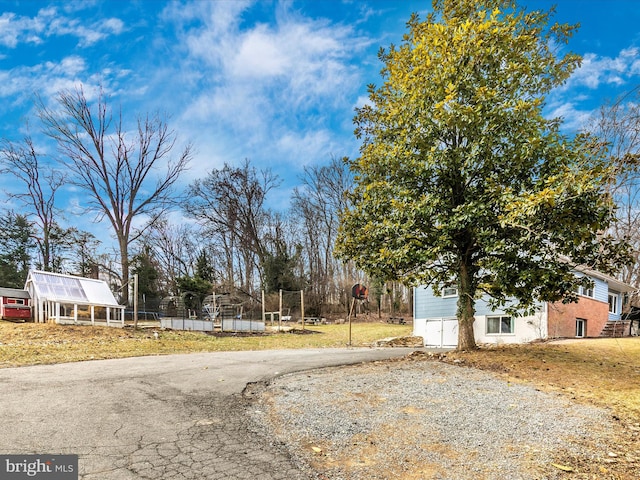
[362, 101]
[87, 35]
[577, 101]
[49, 78]
[257, 79]
[260, 56]
[113, 25]
[9, 30]
[598, 70]
[304, 146]
[574, 119]
[49, 22]
[67, 67]
[272, 93]
[73, 6]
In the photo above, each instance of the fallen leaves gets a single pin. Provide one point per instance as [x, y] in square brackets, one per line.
[564, 468]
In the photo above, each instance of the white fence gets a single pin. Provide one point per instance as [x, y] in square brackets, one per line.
[228, 325]
[186, 324]
[237, 325]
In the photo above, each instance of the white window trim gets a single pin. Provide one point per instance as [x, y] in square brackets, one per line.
[584, 327]
[613, 305]
[512, 322]
[589, 292]
[449, 295]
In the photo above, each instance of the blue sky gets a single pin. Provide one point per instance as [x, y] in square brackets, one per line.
[272, 81]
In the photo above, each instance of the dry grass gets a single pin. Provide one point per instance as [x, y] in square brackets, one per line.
[36, 343]
[603, 372]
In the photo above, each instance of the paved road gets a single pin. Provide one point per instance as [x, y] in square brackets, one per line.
[167, 417]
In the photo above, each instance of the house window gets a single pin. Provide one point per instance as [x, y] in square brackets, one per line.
[586, 291]
[450, 292]
[613, 303]
[15, 301]
[500, 325]
[581, 327]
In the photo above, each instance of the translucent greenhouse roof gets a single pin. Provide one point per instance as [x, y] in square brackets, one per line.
[57, 287]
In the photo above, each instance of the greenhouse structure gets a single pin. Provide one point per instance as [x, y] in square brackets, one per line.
[67, 299]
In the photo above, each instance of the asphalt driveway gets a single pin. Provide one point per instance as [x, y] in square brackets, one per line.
[166, 417]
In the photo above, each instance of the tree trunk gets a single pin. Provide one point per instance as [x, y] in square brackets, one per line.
[466, 309]
[124, 264]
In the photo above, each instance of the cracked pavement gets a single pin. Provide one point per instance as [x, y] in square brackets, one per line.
[165, 417]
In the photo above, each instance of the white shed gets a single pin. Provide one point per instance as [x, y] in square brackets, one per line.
[67, 299]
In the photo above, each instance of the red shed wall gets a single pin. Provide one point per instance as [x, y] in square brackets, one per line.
[562, 317]
[17, 311]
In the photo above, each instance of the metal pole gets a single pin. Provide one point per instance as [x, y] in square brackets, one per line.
[302, 307]
[215, 307]
[135, 300]
[280, 312]
[353, 302]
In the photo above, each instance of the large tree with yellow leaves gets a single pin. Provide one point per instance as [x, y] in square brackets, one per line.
[461, 180]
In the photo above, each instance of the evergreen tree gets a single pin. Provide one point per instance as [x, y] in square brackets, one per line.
[16, 247]
[145, 267]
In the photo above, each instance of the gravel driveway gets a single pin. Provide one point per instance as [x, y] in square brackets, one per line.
[424, 420]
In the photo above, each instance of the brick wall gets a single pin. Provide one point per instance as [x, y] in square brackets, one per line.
[562, 317]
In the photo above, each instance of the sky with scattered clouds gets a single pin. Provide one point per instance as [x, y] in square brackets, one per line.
[272, 81]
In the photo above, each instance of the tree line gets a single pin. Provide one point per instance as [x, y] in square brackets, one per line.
[461, 182]
[229, 239]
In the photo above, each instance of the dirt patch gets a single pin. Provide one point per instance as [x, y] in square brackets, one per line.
[299, 331]
[600, 372]
[347, 442]
[410, 341]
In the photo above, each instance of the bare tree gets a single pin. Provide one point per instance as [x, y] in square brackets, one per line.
[119, 170]
[617, 126]
[175, 250]
[41, 182]
[317, 203]
[84, 246]
[282, 267]
[230, 204]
